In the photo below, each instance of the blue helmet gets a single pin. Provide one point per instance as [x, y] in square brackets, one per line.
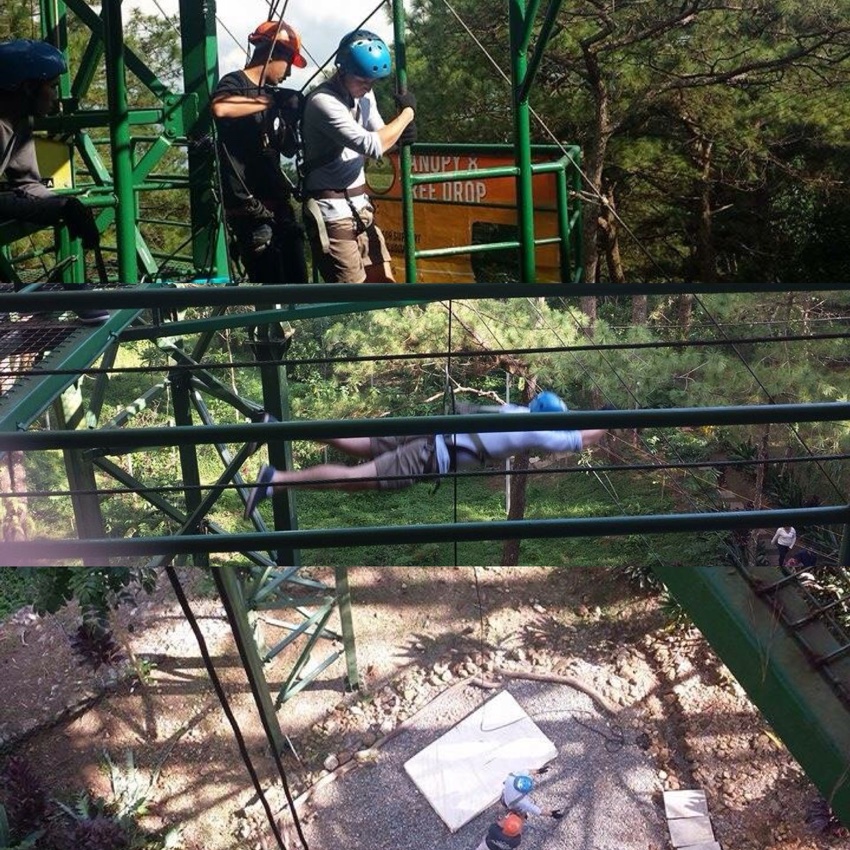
[523, 783]
[364, 54]
[547, 402]
[23, 59]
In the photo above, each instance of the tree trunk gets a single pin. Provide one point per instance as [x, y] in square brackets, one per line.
[595, 162]
[706, 257]
[519, 490]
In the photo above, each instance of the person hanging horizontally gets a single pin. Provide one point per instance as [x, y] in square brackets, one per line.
[392, 463]
[341, 128]
[29, 77]
[251, 115]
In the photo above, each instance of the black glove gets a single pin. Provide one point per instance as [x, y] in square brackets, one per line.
[408, 135]
[406, 98]
[557, 813]
[541, 770]
[81, 223]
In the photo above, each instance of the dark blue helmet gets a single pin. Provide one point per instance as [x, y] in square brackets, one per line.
[23, 59]
[364, 54]
[523, 783]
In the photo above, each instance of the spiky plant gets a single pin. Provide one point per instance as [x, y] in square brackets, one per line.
[22, 796]
[94, 644]
[99, 833]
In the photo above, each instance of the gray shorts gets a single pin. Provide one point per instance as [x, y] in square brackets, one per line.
[410, 458]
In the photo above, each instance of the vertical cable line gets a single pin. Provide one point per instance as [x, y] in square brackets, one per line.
[255, 690]
[228, 711]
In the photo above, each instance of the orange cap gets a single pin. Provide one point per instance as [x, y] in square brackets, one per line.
[282, 34]
[511, 825]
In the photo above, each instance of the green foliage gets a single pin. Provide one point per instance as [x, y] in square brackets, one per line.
[96, 589]
[677, 617]
[15, 590]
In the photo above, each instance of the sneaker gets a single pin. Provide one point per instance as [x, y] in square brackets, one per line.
[260, 491]
[266, 417]
[92, 317]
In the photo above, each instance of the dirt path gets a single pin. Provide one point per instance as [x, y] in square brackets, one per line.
[418, 632]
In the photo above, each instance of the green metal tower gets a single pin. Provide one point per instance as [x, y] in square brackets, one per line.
[785, 648]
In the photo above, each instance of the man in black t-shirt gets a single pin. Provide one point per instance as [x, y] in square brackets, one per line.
[505, 834]
[248, 112]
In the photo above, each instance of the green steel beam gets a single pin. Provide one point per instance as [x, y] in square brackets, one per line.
[522, 141]
[200, 75]
[774, 670]
[343, 599]
[310, 429]
[31, 552]
[119, 132]
[180, 397]
[405, 158]
[542, 42]
[391, 294]
[70, 412]
[30, 397]
[220, 322]
[235, 603]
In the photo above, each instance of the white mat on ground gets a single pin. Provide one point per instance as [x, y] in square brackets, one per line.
[461, 773]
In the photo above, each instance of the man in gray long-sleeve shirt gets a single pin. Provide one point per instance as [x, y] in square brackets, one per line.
[341, 128]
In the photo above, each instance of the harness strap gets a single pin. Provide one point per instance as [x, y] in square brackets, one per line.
[337, 194]
[311, 208]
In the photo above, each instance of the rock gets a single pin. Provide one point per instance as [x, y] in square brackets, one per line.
[331, 763]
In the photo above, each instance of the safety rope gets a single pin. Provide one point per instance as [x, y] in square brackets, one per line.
[225, 703]
[467, 473]
[427, 355]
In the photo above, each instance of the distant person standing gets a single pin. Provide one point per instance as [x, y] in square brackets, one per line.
[504, 834]
[784, 540]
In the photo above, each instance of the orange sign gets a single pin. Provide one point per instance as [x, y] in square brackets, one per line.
[473, 211]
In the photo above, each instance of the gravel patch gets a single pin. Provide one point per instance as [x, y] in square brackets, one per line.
[602, 778]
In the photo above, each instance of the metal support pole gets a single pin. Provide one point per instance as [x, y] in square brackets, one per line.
[343, 601]
[276, 402]
[119, 133]
[234, 603]
[405, 155]
[522, 143]
[70, 413]
[200, 74]
[180, 382]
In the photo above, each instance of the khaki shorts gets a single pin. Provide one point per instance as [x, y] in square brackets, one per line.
[402, 461]
[350, 253]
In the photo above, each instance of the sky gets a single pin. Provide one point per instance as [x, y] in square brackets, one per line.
[321, 24]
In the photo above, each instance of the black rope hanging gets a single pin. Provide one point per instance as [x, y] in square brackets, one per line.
[228, 711]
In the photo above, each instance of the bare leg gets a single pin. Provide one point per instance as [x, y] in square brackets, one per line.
[354, 446]
[591, 438]
[329, 476]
